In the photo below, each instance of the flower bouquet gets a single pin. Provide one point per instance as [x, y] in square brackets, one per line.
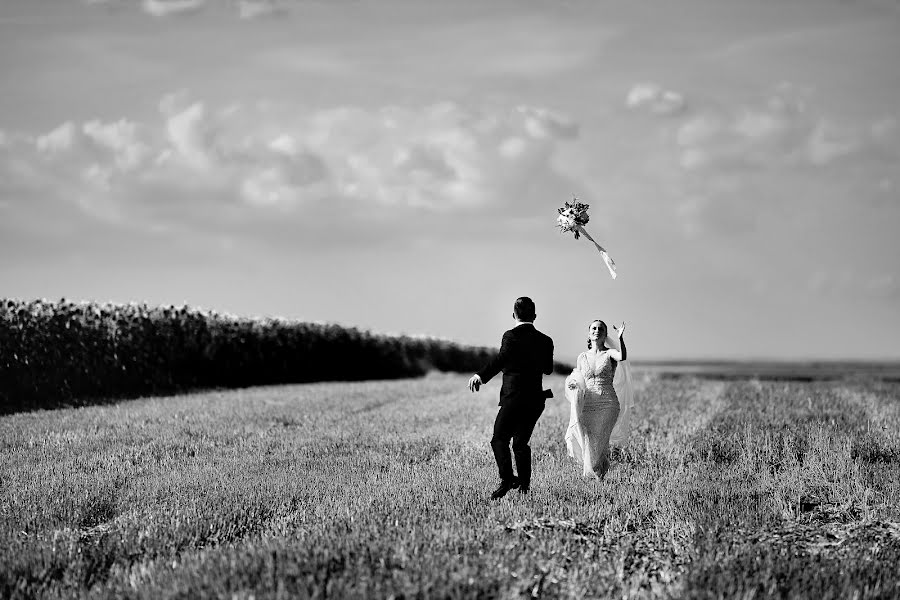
[573, 217]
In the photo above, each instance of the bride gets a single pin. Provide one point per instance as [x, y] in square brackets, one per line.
[600, 393]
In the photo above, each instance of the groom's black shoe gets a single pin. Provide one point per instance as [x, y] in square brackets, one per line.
[523, 487]
[505, 487]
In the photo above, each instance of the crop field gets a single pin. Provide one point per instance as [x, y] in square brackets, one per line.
[731, 488]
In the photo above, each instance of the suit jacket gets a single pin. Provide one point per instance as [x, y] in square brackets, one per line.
[525, 356]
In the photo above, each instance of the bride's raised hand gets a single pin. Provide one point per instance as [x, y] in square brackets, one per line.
[620, 331]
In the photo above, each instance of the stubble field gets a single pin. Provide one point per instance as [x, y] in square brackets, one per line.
[737, 489]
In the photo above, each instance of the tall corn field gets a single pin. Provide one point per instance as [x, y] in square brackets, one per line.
[55, 353]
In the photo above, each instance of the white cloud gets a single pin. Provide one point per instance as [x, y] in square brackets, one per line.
[58, 140]
[99, 176]
[885, 285]
[725, 166]
[165, 8]
[117, 141]
[244, 9]
[544, 123]
[886, 129]
[655, 98]
[286, 145]
[254, 9]
[286, 182]
[439, 157]
[844, 282]
[829, 143]
[94, 152]
[121, 139]
[269, 187]
[189, 134]
[781, 132]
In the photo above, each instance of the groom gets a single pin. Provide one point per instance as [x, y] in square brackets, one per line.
[525, 355]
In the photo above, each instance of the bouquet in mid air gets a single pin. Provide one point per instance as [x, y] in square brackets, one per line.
[573, 217]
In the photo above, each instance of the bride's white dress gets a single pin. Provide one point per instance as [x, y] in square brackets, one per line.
[601, 405]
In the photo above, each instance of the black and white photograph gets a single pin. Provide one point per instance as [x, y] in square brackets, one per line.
[463, 299]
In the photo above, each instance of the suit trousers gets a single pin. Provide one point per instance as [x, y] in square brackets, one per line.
[516, 423]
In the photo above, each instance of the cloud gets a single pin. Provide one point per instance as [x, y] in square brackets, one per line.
[655, 99]
[58, 140]
[189, 136]
[119, 140]
[110, 6]
[544, 123]
[254, 9]
[165, 8]
[886, 285]
[780, 133]
[838, 283]
[724, 166]
[244, 9]
[439, 158]
[116, 144]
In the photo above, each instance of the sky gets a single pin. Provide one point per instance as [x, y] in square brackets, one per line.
[397, 166]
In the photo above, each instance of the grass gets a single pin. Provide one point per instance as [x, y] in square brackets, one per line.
[729, 488]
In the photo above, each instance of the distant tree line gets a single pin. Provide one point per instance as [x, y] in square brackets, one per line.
[63, 353]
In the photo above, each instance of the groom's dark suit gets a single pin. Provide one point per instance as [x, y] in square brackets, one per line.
[525, 356]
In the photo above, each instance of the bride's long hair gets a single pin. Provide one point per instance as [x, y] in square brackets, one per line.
[604, 329]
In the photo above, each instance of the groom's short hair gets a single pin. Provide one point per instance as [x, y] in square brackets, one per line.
[523, 309]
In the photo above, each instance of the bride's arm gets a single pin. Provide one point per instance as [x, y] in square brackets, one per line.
[619, 355]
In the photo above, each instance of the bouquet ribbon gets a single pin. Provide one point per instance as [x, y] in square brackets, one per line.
[610, 263]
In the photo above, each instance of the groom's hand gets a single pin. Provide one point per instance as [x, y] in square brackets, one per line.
[474, 383]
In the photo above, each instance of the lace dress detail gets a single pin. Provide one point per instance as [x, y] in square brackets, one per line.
[599, 372]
